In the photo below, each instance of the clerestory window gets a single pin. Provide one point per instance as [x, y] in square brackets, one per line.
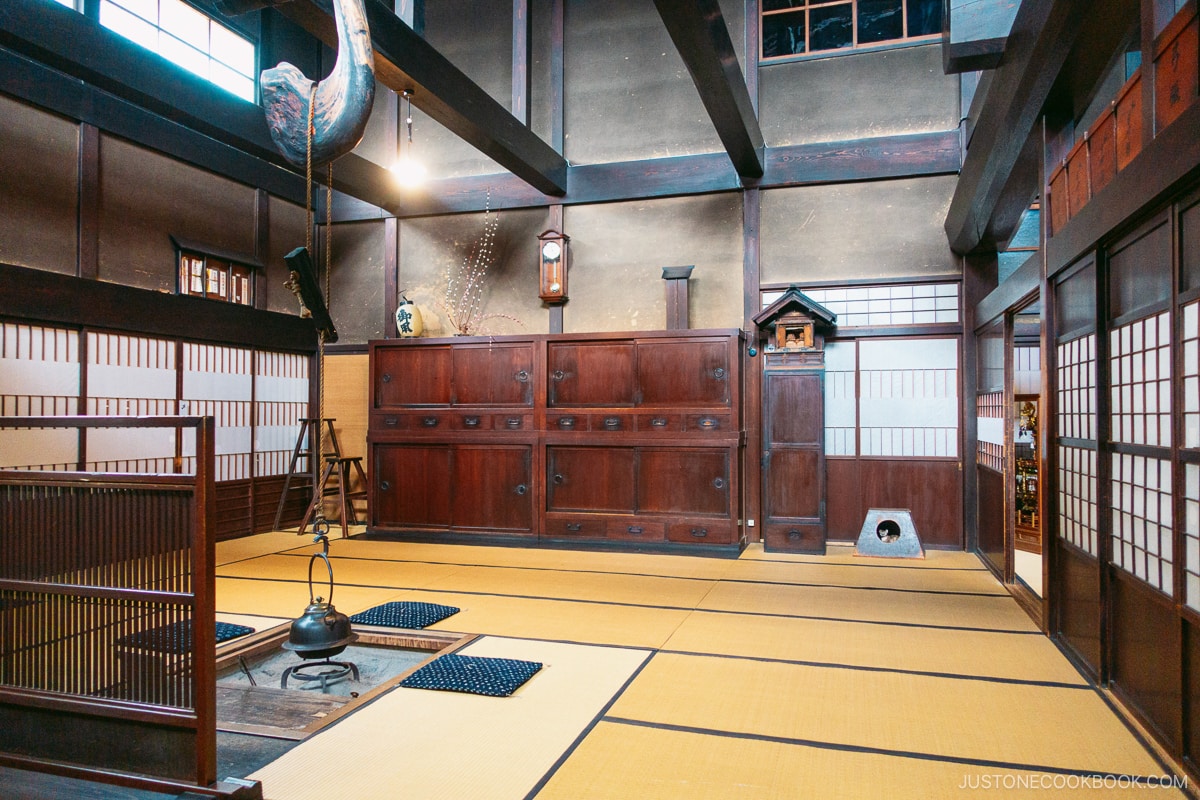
[803, 27]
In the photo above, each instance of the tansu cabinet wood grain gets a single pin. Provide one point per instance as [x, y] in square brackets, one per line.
[627, 440]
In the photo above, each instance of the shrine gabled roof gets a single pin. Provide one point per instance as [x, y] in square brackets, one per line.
[794, 299]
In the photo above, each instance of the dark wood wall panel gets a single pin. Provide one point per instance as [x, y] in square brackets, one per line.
[843, 506]
[39, 191]
[991, 516]
[1146, 655]
[932, 490]
[234, 515]
[1191, 671]
[1079, 604]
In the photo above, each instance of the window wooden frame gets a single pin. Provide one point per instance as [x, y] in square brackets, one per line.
[805, 7]
[204, 272]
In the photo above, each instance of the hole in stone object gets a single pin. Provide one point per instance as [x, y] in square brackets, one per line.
[887, 531]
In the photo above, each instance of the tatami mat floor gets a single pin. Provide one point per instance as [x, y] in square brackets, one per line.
[766, 676]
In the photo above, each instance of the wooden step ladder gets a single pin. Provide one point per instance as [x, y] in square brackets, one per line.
[336, 481]
[308, 441]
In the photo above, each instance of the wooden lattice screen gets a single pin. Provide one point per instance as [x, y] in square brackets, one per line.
[107, 614]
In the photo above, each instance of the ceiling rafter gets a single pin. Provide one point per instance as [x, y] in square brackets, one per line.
[701, 36]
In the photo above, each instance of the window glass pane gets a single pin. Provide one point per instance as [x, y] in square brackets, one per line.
[880, 20]
[184, 55]
[777, 5]
[184, 22]
[231, 81]
[232, 50]
[783, 34]
[832, 27]
[68, 3]
[924, 17]
[135, 29]
[146, 9]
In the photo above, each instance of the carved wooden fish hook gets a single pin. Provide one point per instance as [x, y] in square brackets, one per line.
[343, 100]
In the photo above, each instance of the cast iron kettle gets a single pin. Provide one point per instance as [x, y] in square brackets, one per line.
[321, 631]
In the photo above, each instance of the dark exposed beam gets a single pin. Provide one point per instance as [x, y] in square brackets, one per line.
[1043, 33]
[698, 30]
[405, 61]
[51, 297]
[905, 156]
[68, 64]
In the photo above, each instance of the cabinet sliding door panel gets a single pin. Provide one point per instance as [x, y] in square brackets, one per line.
[683, 481]
[590, 479]
[412, 485]
[491, 488]
[683, 373]
[496, 375]
[591, 374]
[417, 376]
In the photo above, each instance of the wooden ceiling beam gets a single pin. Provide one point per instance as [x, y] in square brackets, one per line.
[406, 62]
[701, 36]
[1043, 33]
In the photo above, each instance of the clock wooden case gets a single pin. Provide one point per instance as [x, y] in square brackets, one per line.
[553, 263]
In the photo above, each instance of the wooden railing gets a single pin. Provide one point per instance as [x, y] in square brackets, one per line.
[107, 616]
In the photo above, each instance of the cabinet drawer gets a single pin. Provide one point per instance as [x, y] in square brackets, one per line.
[471, 422]
[797, 538]
[559, 527]
[708, 423]
[412, 421]
[659, 423]
[512, 422]
[637, 530]
[610, 422]
[716, 531]
[567, 422]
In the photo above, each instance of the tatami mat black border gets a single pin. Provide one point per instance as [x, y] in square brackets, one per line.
[587, 729]
[882, 751]
[958, 676]
[427, 590]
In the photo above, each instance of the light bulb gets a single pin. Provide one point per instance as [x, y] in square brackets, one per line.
[409, 172]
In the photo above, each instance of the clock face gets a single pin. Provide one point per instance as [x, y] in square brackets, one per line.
[551, 251]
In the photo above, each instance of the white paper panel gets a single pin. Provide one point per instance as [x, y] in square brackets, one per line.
[39, 448]
[897, 354]
[990, 429]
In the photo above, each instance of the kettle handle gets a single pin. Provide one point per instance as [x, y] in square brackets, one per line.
[321, 528]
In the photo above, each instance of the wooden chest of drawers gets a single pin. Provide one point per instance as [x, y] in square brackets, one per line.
[633, 440]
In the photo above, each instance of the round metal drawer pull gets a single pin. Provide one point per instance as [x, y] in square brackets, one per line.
[559, 480]
[794, 533]
[384, 486]
[387, 378]
[559, 375]
[699, 533]
[471, 422]
[612, 423]
[658, 422]
[574, 527]
[635, 530]
[430, 422]
[391, 422]
[522, 376]
[719, 483]
[719, 373]
[513, 422]
[708, 423]
[566, 422]
[522, 488]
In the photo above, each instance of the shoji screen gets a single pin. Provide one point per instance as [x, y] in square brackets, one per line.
[908, 397]
[39, 376]
[130, 376]
[217, 382]
[281, 401]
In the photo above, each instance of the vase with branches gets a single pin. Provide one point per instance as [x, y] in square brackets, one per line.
[465, 298]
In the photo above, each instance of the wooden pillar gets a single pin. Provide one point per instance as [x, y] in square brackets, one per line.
[677, 296]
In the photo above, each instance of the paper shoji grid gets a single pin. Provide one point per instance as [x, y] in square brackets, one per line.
[1077, 388]
[281, 401]
[217, 382]
[1141, 519]
[39, 376]
[839, 390]
[1140, 366]
[1191, 374]
[1077, 519]
[990, 454]
[1027, 370]
[1191, 535]
[130, 376]
[900, 304]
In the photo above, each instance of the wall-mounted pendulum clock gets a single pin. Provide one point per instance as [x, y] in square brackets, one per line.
[553, 261]
[792, 334]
